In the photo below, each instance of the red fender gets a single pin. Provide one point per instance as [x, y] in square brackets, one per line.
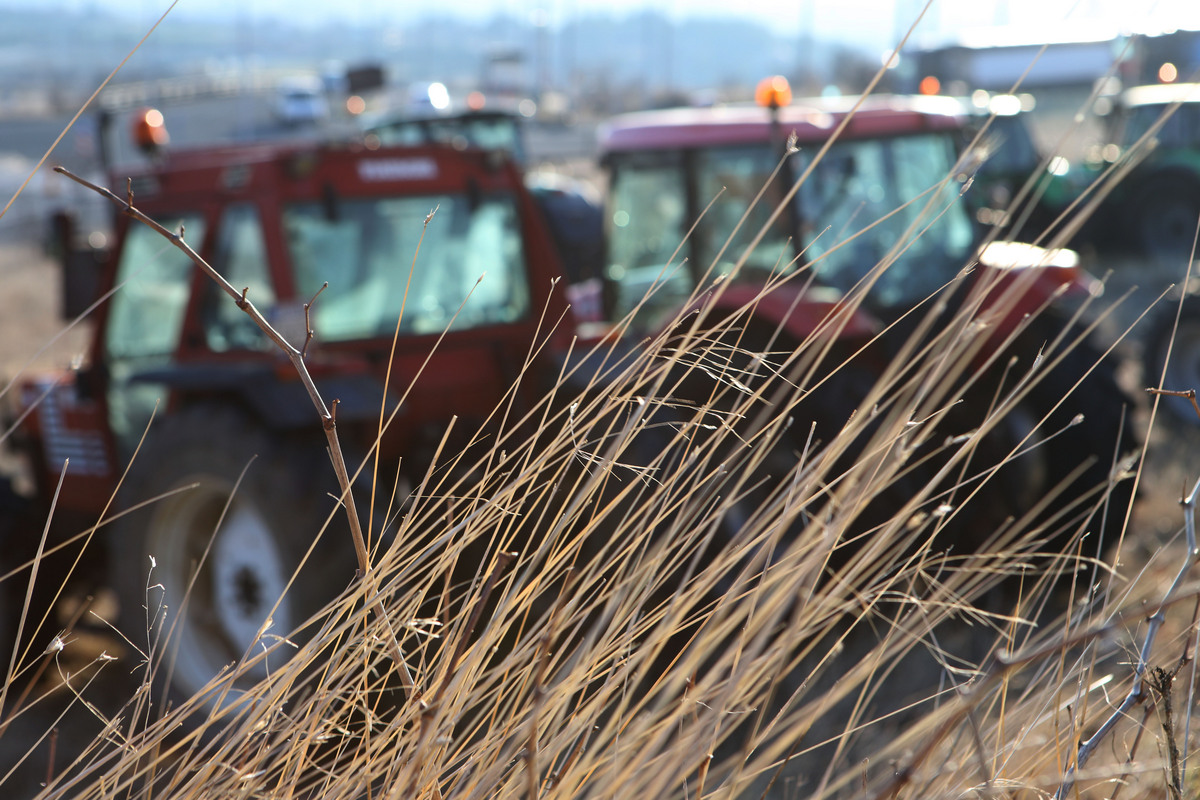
[801, 311]
[1020, 279]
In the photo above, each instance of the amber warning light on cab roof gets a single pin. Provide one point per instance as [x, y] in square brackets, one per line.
[149, 131]
[773, 92]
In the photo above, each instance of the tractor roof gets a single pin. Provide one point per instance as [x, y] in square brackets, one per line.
[308, 168]
[1161, 94]
[810, 120]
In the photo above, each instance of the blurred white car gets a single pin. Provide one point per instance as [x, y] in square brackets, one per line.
[300, 100]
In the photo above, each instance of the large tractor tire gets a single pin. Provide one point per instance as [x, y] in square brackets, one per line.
[201, 569]
[1088, 420]
[1183, 368]
[1091, 425]
[752, 459]
[22, 522]
[12, 590]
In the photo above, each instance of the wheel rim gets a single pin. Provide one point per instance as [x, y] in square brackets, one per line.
[1183, 370]
[234, 590]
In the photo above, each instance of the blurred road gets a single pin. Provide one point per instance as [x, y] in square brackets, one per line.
[191, 121]
[239, 117]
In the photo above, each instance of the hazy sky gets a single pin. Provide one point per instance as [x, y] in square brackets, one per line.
[873, 22]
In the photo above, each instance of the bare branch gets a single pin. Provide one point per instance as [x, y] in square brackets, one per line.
[308, 329]
[1136, 692]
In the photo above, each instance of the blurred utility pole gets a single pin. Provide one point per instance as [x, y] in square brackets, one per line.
[905, 13]
[541, 50]
[669, 55]
[246, 65]
[568, 41]
[808, 39]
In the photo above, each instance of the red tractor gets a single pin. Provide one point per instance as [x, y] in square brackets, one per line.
[281, 220]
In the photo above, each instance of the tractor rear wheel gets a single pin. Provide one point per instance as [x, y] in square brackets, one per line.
[212, 571]
[1164, 219]
[1089, 419]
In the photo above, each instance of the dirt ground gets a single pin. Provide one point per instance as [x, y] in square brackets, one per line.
[29, 297]
[29, 317]
[29, 325]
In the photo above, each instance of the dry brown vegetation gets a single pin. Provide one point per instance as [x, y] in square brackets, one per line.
[616, 652]
[638, 600]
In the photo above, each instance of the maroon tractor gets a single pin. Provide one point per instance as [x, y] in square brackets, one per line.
[879, 217]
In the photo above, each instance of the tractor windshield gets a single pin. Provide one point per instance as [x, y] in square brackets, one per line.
[487, 131]
[470, 268]
[886, 201]
[865, 201]
[145, 320]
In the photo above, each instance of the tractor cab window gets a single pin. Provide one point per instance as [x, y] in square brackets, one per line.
[730, 178]
[647, 228]
[470, 267]
[885, 200]
[865, 202]
[1181, 129]
[241, 257]
[484, 131]
[656, 196]
[145, 319]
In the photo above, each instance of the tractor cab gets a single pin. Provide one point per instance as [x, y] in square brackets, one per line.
[684, 198]
[811, 234]
[442, 247]
[423, 288]
[699, 194]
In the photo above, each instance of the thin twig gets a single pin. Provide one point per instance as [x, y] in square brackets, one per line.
[1188, 394]
[308, 328]
[1161, 681]
[50, 758]
[502, 562]
[988, 789]
[539, 694]
[1137, 740]
[1190, 655]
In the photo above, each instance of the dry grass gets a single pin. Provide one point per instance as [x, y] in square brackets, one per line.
[675, 587]
[619, 652]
